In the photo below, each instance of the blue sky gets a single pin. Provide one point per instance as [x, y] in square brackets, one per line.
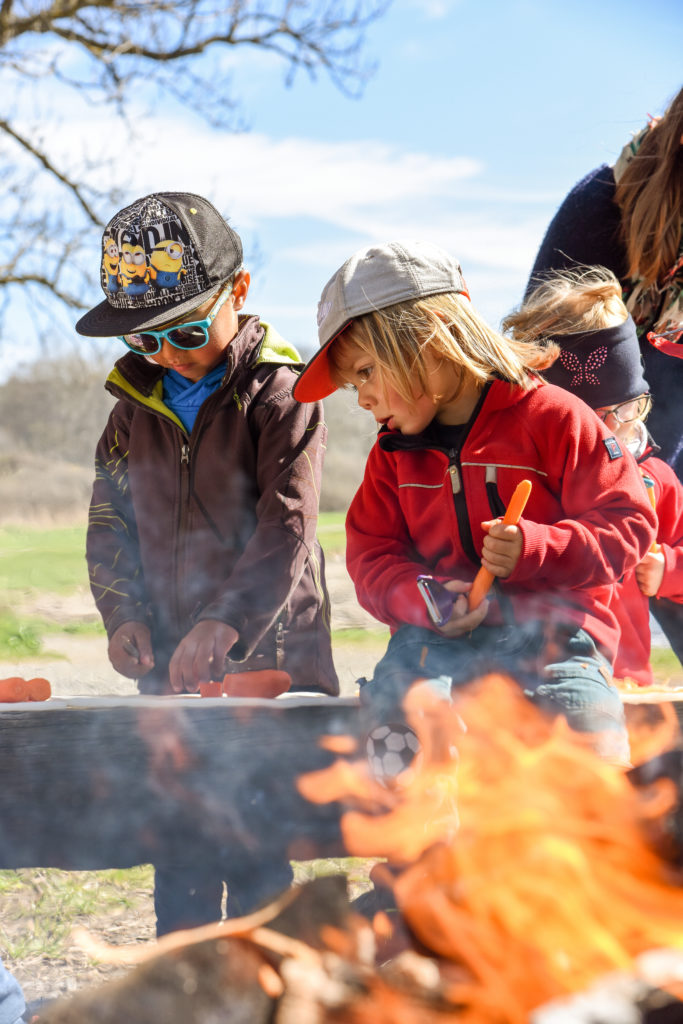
[478, 119]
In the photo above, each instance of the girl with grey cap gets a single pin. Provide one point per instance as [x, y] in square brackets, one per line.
[464, 417]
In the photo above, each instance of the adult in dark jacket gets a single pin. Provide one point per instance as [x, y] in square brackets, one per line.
[627, 217]
[201, 541]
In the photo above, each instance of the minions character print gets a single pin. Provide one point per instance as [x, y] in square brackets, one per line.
[154, 258]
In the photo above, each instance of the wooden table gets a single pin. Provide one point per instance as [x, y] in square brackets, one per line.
[96, 782]
[105, 782]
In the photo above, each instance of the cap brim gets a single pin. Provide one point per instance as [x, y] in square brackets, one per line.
[315, 380]
[105, 321]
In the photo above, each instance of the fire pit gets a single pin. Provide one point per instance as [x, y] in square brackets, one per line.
[550, 879]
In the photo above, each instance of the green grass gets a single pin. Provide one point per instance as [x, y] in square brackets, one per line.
[19, 638]
[36, 560]
[357, 637]
[356, 869]
[26, 636]
[331, 532]
[42, 906]
[58, 901]
[664, 663]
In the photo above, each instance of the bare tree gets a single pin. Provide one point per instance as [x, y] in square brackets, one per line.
[101, 51]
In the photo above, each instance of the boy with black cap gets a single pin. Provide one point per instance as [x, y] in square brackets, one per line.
[600, 361]
[201, 540]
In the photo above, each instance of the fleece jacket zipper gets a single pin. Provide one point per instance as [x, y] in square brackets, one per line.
[460, 505]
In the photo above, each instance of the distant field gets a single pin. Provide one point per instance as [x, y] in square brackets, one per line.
[331, 532]
[35, 561]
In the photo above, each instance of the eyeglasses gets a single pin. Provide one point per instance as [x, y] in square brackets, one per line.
[627, 412]
[193, 334]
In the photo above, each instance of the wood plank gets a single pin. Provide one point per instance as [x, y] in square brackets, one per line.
[103, 782]
[92, 783]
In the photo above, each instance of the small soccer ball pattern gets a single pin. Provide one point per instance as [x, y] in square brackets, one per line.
[391, 749]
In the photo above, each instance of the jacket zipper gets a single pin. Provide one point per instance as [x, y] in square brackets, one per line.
[460, 505]
[181, 613]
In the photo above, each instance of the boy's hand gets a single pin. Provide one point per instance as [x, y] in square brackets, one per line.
[502, 547]
[130, 650]
[200, 656]
[462, 621]
[650, 573]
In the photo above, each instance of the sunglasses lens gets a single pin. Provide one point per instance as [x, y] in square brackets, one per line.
[188, 336]
[146, 343]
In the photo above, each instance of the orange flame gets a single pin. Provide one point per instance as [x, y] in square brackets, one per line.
[521, 855]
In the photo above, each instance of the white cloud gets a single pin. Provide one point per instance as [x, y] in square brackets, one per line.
[256, 178]
[434, 10]
[307, 204]
[364, 189]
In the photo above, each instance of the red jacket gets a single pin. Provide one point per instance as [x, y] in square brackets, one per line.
[420, 508]
[631, 606]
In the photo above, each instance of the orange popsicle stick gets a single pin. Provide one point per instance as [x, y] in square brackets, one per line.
[513, 513]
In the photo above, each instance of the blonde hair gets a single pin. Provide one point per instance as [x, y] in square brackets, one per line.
[449, 328]
[568, 302]
[650, 197]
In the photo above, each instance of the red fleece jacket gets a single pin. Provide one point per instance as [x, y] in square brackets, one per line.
[631, 607]
[420, 508]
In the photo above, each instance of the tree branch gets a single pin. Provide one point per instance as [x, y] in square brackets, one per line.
[49, 166]
[45, 282]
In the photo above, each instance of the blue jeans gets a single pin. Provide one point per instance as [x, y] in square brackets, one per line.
[12, 1004]
[558, 666]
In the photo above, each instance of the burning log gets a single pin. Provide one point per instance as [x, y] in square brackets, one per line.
[306, 959]
[544, 892]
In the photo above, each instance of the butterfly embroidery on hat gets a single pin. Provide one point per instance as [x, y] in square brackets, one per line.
[594, 361]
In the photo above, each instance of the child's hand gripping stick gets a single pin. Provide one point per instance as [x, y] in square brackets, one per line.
[513, 513]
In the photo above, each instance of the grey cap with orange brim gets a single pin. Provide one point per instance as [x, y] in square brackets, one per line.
[373, 278]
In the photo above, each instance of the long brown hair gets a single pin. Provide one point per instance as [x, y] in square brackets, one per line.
[650, 196]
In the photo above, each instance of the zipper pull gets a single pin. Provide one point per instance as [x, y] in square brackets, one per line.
[185, 455]
[455, 478]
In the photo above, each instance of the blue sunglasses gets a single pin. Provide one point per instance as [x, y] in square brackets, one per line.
[194, 334]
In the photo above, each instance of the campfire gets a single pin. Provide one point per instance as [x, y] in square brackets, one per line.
[514, 869]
